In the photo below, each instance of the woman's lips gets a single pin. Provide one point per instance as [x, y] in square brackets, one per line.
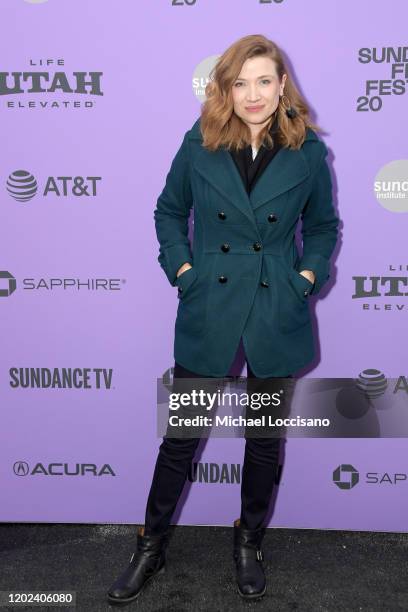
[254, 109]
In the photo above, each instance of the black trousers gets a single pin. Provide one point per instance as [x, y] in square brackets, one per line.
[173, 462]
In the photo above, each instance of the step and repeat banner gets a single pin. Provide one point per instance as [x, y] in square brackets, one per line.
[95, 98]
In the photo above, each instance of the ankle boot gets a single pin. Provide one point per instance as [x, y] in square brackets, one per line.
[248, 559]
[147, 561]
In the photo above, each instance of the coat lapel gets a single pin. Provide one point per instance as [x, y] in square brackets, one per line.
[287, 169]
[219, 169]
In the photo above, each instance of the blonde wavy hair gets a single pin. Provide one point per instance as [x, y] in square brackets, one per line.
[220, 126]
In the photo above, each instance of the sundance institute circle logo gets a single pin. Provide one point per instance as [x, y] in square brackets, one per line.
[391, 186]
[201, 76]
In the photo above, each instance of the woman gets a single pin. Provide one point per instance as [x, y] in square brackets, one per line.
[252, 164]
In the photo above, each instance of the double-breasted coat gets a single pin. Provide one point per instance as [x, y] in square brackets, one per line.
[245, 280]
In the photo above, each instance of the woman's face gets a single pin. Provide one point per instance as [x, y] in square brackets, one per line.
[256, 91]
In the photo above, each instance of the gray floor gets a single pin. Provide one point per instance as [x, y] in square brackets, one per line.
[307, 570]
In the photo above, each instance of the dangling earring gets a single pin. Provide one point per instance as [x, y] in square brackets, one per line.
[290, 111]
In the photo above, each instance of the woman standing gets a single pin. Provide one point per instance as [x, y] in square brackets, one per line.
[251, 165]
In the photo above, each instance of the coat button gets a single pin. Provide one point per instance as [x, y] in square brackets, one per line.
[222, 279]
[272, 218]
[222, 215]
[264, 283]
[225, 247]
[257, 246]
[305, 293]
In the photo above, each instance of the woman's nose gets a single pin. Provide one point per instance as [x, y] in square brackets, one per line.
[253, 95]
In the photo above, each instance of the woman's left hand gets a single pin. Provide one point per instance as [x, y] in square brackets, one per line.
[309, 275]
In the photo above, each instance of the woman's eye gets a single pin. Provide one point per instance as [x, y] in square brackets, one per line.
[263, 81]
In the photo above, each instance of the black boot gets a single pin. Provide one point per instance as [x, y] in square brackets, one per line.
[147, 561]
[248, 558]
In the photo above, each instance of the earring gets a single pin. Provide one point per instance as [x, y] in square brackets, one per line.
[290, 111]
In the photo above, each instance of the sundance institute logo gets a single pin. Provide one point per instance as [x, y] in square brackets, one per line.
[391, 186]
[202, 76]
[345, 476]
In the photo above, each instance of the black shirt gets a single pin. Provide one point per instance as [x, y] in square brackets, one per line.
[249, 169]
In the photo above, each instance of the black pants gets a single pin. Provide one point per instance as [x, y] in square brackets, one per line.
[174, 460]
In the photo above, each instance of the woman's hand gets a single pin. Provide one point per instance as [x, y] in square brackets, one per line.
[184, 267]
[309, 275]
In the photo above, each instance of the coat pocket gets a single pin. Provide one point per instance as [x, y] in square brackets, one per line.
[294, 290]
[301, 284]
[185, 281]
[191, 312]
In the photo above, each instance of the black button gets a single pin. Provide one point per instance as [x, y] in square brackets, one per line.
[305, 293]
[222, 279]
[272, 218]
[257, 246]
[264, 283]
[225, 247]
[222, 215]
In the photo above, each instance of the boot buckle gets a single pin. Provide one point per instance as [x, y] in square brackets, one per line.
[131, 558]
[259, 555]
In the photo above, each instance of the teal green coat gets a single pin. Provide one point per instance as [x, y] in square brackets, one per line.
[245, 279]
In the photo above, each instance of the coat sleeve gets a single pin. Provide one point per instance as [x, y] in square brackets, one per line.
[172, 213]
[319, 226]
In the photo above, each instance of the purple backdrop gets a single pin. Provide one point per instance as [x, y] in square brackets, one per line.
[116, 138]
